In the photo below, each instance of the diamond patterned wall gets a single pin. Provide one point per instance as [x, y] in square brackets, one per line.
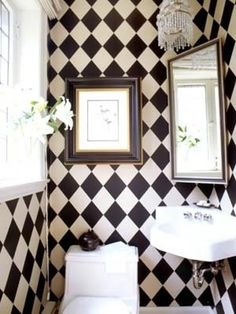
[23, 258]
[119, 38]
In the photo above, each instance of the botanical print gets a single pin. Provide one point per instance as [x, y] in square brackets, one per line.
[103, 120]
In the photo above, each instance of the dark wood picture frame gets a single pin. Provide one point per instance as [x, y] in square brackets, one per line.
[107, 121]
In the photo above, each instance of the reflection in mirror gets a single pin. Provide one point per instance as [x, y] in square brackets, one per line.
[198, 133]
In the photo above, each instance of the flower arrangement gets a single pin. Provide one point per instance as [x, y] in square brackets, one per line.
[38, 119]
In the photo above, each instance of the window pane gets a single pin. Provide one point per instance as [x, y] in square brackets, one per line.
[3, 150]
[5, 20]
[5, 46]
[4, 71]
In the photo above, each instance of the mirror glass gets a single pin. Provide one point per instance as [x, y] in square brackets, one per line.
[197, 108]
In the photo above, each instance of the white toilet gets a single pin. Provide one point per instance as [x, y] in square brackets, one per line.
[103, 281]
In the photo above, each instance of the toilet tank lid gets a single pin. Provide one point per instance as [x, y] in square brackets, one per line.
[117, 251]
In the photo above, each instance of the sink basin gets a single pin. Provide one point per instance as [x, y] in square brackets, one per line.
[195, 233]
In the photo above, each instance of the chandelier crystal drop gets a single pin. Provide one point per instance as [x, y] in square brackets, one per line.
[174, 22]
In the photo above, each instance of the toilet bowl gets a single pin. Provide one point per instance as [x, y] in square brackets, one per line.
[102, 281]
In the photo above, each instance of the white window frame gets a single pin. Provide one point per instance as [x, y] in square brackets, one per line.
[11, 189]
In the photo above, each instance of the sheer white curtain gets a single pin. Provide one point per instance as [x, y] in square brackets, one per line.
[51, 7]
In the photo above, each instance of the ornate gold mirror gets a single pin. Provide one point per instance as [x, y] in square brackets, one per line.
[197, 108]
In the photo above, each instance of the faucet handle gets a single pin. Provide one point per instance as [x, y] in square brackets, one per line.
[198, 216]
[208, 217]
[188, 215]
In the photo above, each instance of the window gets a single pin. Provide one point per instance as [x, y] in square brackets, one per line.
[5, 20]
[4, 43]
[23, 29]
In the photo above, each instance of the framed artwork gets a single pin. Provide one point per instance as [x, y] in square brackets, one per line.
[107, 121]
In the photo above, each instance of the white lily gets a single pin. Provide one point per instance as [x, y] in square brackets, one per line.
[64, 113]
[35, 120]
[37, 127]
[39, 105]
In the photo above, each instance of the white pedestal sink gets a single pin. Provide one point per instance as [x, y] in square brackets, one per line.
[195, 233]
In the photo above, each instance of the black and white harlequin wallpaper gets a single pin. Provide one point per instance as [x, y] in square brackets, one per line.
[23, 255]
[119, 38]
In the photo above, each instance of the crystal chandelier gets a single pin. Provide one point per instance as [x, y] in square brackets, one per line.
[174, 22]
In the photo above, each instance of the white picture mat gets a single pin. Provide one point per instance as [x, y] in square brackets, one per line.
[102, 119]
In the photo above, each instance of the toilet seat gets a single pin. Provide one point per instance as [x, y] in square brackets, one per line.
[96, 305]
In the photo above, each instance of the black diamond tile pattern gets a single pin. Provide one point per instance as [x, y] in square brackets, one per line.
[115, 214]
[162, 271]
[118, 201]
[69, 46]
[23, 257]
[91, 20]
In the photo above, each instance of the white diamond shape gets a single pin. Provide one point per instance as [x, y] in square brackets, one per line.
[5, 262]
[125, 59]
[57, 143]
[58, 34]
[126, 173]
[124, 8]
[148, 33]
[57, 284]
[80, 173]
[58, 257]
[150, 114]
[57, 200]
[174, 285]
[58, 229]
[149, 86]
[21, 212]
[58, 60]
[147, 8]
[34, 207]
[57, 171]
[102, 59]
[20, 253]
[34, 279]
[103, 173]
[21, 294]
[173, 260]
[80, 59]
[150, 200]
[173, 198]
[80, 9]
[150, 171]
[125, 33]
[127, 229]
[196, 195]
[102, 33]
[103, 229]
[79, 226]
[6, 218]
[103, 200]
[102, 8]
[57, 86]
[127, 200]
[151, 285]
[148, 59]
[80, 200]
[150, 142]
[80, 33]
[151, 257]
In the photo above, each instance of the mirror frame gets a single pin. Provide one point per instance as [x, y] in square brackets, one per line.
[204, 177]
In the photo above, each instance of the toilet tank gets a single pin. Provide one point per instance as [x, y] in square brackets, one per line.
[109, 271]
